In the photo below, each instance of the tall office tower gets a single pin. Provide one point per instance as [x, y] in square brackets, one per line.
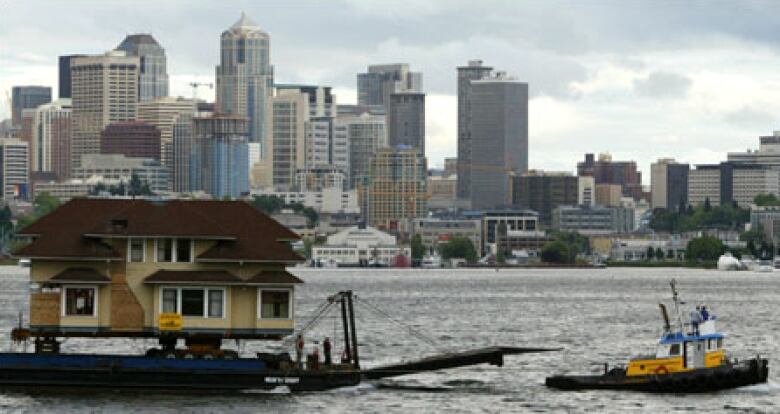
[499, 138]
[223, 166]
[473, 71]
[406, 120]
[133, 139]
[396, 192]
[50, 148]
[105, 90]
[245, 77]
[542, 192]
[163, 113]
[153, 72]
[376, 86]
[27, 97]
[606, 171]
[182, 138]
[669, 184]
[64, 75]
[25, 130]
[287, 126]
[14, 169]
[365, 130]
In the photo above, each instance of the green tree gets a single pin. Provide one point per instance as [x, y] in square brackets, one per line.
[418, 249]
[500, 256]
[751, 247]
[312, 217]
[267, 203]
[707, 205]
[650, 254]
[670, 254]
[659, 253]
[460, 248]
[766, 200]
[706, 248]
[43, 204]
[556, 252]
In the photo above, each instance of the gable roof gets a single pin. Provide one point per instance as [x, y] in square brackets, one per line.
[80, 275]
[75, 229]
[274, 276]
[193, 276]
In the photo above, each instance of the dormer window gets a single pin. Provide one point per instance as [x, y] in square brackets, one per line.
[174, 250]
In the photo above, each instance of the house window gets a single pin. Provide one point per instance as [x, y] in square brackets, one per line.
[137, 248]
[80, 301]
[174, 250]
[193, 302]
[275, 304]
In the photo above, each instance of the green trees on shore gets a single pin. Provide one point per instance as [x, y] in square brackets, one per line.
[458, 248]
[706, 216]
[704, 248]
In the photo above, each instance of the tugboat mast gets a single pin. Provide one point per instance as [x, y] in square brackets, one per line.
[676, 300]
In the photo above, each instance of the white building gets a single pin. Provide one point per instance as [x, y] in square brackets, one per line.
[121, 168]
[359, 246]
[329, 200]
[586, 190]
[14, 174]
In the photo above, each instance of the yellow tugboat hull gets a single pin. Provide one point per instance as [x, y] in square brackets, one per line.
[661, 366]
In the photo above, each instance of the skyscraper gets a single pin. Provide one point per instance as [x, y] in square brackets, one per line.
[606, 171]
[365, 130]
[406, 120]
[287, 124]
[27, 97]
[498, 115]
[223, 166]
[245, 77]
[376, 85]
[153, 72]
[64, 75]
[473, 71]
[105, 90]
[163, 113]
[50, 149]
[669, 184]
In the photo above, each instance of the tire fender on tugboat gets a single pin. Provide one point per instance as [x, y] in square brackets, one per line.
[660, 370]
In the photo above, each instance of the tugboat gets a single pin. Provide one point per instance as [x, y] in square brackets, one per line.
[689, 359]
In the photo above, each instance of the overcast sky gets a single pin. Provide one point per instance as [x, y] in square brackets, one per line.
[641, 80]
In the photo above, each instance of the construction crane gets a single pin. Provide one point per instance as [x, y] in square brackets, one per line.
[195, 85]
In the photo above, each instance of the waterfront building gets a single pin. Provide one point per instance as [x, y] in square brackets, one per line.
[27, 97]
[606, 171]
[359, 246]
[669, 183]
[134, 139]
[435, 231]
[499, 138]
[406, 120]
[64, 90]
[365, 130]
[729, 182]
[395, 194]
[496, 222]
[153, 72]
[287, 126]
[14, 169]
[50, 146]
[593, 220]
[473, 71]
[104, 90]
[543, 191]
[221, 151]
[328, 200]
[164, 113]
[245, 77]
[609, 195]
[118, 167]
[114, 271]
[632, 249]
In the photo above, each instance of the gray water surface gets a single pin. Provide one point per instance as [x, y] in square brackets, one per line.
[600, 315]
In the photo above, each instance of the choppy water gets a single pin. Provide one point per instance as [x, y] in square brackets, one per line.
[597, 315]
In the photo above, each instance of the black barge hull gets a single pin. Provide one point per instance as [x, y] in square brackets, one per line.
[750, 372]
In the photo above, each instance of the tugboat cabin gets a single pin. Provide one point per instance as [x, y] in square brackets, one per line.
[175, 269]
[680, 352]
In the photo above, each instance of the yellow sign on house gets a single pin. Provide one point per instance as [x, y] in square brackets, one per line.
[170, 322]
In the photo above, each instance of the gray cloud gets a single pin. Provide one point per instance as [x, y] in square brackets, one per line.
[663, 85]
[750, 116]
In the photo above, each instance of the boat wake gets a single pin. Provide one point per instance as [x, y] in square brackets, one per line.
[769, 387]
[282, 389]
[359, 389]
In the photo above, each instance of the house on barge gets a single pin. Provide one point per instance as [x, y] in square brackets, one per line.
[175, 269]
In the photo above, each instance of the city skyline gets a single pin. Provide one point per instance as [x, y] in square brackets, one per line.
[691, 80]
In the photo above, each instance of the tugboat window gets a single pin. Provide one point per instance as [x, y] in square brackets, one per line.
[192, 302]
[275, 304]
[79, 301]
[674, 349]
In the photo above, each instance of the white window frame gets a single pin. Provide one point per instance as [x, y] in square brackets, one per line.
[290, 303]
[65, 298]
[205, 289]
[130, 249]
[174, 242]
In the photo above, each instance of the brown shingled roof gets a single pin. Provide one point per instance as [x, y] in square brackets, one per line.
[244, 234]
[274, 276]
[193, 276]
[79, 275]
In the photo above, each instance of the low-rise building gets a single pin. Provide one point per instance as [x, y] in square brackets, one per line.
[121, 168]
[434, 231]
[328, 200]
[593, 220]
[359, 246]
[495, 221]
[635, 249]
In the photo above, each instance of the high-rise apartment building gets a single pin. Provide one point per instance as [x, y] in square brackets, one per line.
[134, 139]
[27, 97]
[153, 72]
[164, 113]
[287, 124]
[245, 77]
[181, 163]
[14, 169]
[730, 182]
[221, 142]
[50, 147]
[498, 114]
[473, 71]
[365, 130]
[64, 75]
[396, 192]
[669, 184]
[606, 171]
[104, 90]
[406, 120]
